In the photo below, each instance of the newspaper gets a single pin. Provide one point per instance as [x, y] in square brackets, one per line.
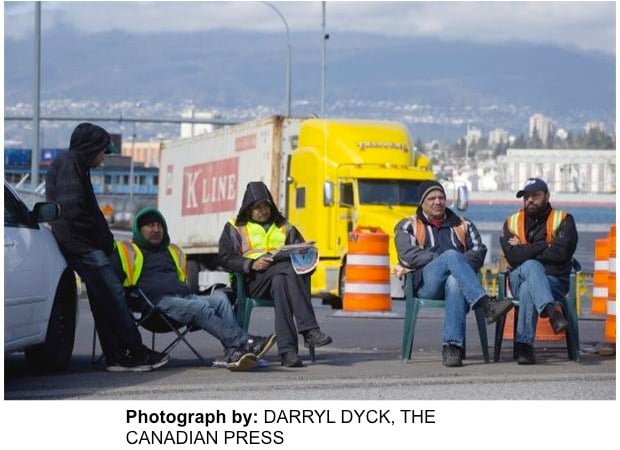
[287, 250]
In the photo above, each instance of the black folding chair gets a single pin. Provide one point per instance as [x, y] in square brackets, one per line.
[151, 318]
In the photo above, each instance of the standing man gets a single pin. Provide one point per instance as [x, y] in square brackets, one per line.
[85, 240]
[157, 267]
[244, 247]
[444, 251]
[538, 242]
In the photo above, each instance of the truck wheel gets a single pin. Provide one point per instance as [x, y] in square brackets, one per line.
[193, 268]
[54, 354]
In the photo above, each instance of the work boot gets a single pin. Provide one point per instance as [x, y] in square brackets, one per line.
[494, 309]
[451, 356]
[316, 338]
[291, 359]
[260, 345]
[556, 318]
[525, 353]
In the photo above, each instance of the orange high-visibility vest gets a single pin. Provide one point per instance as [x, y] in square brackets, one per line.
[460, 231]
[256, 241]
[132, 261]
[516, 224]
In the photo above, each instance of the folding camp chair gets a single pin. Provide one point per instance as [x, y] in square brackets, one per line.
[246, 304]
[151, 318]
[412, 308]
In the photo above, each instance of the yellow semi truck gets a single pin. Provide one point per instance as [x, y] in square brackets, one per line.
[328, 176]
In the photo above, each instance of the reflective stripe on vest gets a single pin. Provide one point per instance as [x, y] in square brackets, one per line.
[516, 224]
[255, 241]
[132, 261]
[460, 231]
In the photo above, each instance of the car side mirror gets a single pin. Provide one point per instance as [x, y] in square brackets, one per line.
[45, 211]
[462, 198]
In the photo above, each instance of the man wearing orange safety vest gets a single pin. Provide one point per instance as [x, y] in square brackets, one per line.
[444, 250]
[538, 242]
[244, 247]
[158, 267]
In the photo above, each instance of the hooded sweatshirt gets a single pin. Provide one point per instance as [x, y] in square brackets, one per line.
[81, 227]
[230, 240]
[159, 274]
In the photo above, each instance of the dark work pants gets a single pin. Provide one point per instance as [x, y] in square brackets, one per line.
[291, 294]
[114, 322]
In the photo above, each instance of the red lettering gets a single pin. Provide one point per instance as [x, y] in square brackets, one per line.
[210, 187]
[245, 142]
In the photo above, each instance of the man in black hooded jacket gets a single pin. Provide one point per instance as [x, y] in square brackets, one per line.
[85, 240]
[244, 247]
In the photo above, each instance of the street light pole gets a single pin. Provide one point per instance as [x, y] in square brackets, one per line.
[36, 100]
[288, 61]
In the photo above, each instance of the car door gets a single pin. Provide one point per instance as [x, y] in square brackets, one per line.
[26, 289]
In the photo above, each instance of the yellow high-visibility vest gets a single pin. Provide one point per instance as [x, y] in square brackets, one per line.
[516, 224]
[132, 261]
[256, 241]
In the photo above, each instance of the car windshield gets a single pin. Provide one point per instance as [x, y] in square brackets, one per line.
[388, 192]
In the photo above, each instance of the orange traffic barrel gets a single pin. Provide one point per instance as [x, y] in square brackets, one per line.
[610, 320]
[601, 274]
[367, 271]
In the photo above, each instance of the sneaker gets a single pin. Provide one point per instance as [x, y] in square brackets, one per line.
[316, 338]
[260, 345]
[155, 359]
[556, 319]
[451, 356]
[493, 308]
[291, 359]
[525, 353]
[241, 360]
[127, 363]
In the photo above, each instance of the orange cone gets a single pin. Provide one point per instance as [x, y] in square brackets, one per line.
[610, 321]
[601, 274]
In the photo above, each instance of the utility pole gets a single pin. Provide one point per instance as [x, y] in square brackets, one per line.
[325, 37]
[36, 99]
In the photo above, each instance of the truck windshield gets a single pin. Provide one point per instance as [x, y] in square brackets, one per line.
[388, 192]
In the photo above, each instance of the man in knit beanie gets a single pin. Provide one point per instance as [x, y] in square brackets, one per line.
[86, 241]
[444, 251]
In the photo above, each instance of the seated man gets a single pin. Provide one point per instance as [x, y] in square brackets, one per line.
[444, 250]
[158, 268]
[538, 242]
[244, 245]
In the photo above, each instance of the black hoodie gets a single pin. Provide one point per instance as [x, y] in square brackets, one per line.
[81, 227]
[230, 241]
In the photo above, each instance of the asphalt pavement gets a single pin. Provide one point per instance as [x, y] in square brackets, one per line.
[363, 363]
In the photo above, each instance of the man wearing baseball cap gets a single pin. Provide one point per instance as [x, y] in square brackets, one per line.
[444, 251]
[538, 242]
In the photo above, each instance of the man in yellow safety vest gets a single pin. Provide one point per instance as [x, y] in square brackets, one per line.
[244, 247]
[538, 242]
[158, 267]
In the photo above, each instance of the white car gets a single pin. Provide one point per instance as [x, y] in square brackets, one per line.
[40, 291]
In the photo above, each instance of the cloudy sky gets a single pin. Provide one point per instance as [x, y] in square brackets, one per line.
[583, 25]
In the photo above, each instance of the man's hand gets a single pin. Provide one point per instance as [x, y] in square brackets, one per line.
[514, 240]
[262, 263]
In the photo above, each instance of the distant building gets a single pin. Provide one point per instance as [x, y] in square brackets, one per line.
[561, 134]
[193, 129]
[542, 125]
[497, 136]
[146, 153]
[473, 135]
[580, 170]
[600, 126]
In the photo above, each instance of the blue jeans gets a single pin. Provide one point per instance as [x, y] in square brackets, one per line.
[114, 322]
[535, 290]
[212, 313]
[449, 276]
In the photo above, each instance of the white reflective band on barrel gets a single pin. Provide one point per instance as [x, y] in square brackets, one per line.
[601, 265]
[611, 308]
[612, 265]
[600, 292]
[365, 288]
[368, 260]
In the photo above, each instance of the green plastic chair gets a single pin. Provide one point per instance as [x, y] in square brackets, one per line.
[412, 308]
[246, 304]
[569, 308]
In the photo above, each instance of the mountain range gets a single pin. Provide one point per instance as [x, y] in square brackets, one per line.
[436, 87]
